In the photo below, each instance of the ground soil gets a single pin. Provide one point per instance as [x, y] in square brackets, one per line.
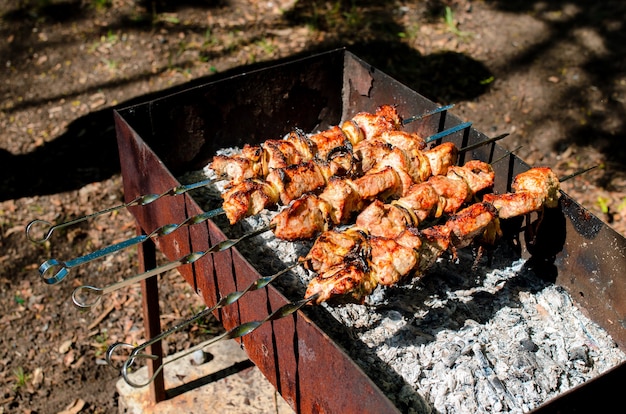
[553, 74]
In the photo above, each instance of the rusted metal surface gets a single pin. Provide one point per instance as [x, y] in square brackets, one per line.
[152, 325]
[181, 132]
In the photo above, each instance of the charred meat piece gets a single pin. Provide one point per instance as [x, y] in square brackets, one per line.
[470, 223]
[333, 247]
[326, 142]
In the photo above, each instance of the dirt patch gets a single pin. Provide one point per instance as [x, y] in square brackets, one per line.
[553, 74]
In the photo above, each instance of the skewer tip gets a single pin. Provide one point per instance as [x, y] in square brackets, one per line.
[577, 173]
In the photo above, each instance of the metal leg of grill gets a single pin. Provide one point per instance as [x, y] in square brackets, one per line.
[152, 318]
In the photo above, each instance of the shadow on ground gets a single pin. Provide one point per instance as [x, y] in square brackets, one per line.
[87, 151]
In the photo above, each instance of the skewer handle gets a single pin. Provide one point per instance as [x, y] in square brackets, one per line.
[236, 332]
[64, 267]
[48, 228]
[229, 299]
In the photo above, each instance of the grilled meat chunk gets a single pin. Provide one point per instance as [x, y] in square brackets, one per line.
[534, 189]
[470, 222]
[390, 261]
[242, 166]
[383, 220]
[296, 180]
[308, 216]
[248, 198]
[333, 247]
[442, 157]
[350, 282]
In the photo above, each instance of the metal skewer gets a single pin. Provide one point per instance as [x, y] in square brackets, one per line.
[229, 299]
[45, 228]
[88, 296]
[485, 142]
[143, 200]
[236, 332]
[448, 131]
[81, 295]
[63, 267]
[577, 173]
[427, 114]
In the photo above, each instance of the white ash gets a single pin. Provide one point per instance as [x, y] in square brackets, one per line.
[462, 339]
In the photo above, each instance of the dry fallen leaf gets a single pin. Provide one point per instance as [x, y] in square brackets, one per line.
[74, 408]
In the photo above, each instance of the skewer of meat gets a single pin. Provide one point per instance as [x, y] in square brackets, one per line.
[256, 162]
[283, 185]
[433, 198]
[333, 144]
[367, 261]
[444, 191]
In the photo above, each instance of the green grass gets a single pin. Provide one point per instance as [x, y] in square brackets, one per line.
[21, 378]
[452, 24]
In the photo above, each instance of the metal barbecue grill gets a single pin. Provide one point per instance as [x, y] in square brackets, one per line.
[164, 138]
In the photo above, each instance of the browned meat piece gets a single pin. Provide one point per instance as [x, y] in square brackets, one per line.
[386, 118]
[411, 168]
[231, 167]
[383, 220]
[390, 261]
[435, 241]
[343, 199]
[452, 193]
[420, 202]
[247, 198]
[281, 153]
[478, 175]
[327, 141]
[541, 181]
[333, 247]
[470, 222]
[368, 152]
[349, 282]
[353, 132]
[406, 141]
[442, 157]
[334, 205]
[293, 181]
[384, 183]
[410, 237]
[514, 204]
[241, 166]
[304, 219]
[534, 189]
